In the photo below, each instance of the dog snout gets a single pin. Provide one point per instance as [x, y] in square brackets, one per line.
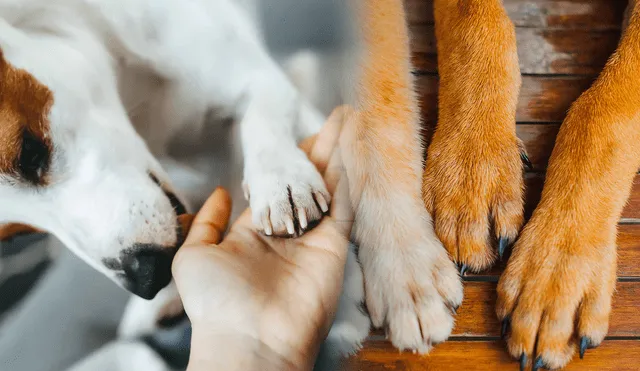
[177, 205]
[147, 269]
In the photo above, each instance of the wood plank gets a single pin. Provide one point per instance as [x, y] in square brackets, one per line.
[377, 355]
[542, 98]
[539, 140]
[586, 14]
[628, 242]
[476, 317]
[540, 51]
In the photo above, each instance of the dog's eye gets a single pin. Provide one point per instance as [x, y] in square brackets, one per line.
[34, 158]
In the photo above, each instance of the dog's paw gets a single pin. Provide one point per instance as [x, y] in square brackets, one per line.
[286, 192]
[474, 191]
[414, 291]
[559, 282]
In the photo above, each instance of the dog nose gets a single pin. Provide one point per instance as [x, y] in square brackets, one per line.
[148, 269]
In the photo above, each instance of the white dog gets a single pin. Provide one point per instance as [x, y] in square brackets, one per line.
[92, 93]
[75, 75]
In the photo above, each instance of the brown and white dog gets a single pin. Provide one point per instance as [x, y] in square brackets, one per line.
[74, 75]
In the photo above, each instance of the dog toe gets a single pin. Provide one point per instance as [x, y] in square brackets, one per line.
[594, 312]
[554, 347]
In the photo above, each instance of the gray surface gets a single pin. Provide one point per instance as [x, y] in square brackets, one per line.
[71, 312]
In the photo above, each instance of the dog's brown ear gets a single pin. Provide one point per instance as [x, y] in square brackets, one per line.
[3, 63]
[11, 230]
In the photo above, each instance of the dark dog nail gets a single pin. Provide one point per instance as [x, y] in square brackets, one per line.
[523, 362]
[463, 269]
[505, 327]
[584, 345]
[538, 364]
[502, 246]
[526, 161]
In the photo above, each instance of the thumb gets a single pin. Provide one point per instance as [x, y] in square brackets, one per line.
[211, 221]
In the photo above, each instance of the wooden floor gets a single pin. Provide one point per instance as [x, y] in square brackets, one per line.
[563, 45]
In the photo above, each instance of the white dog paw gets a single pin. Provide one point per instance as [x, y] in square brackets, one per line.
[286, 192]
[415, 291]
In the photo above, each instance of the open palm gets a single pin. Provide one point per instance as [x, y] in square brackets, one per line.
[252, 284]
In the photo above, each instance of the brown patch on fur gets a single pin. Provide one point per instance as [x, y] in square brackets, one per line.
[11, 230]
[563, 267]
[24, 107]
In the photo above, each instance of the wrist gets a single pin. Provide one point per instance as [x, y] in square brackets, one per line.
[234, 350]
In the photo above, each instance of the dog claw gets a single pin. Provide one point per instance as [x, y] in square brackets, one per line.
[526, 160]
[584, 345]
[523, 362]
[453, 308]
[538, 364]
[505, 327]
[502, 246]
[463, 269]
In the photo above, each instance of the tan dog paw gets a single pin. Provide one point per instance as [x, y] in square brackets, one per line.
[560, 279]
[413, 291]
[475, 194]
[472, 184]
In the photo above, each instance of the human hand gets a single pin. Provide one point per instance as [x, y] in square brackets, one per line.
[258, 302]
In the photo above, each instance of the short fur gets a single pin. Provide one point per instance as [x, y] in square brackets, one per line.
[573, 229]
[412, 287]
[563, 266]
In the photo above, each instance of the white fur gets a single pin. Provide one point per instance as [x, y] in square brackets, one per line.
[170, 69]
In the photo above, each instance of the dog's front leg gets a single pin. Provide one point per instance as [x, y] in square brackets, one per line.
[213, 55]
[473, 182]
[285, 190]
[562, 274]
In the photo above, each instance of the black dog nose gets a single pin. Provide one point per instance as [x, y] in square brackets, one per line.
[147, 269]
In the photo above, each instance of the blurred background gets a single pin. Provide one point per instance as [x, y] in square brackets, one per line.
[54, 308]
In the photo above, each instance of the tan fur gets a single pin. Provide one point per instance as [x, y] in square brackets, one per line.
[563, 268]
[24, 106]
[473, 177]
[411, 286]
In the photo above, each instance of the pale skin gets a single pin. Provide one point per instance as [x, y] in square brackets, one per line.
[265, 303]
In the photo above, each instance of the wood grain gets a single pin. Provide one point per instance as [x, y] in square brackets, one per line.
[378, 355]
[563, 45]
[628, 243]
[540, 51]
[542, 98]
[589, 14]
[477, 318]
